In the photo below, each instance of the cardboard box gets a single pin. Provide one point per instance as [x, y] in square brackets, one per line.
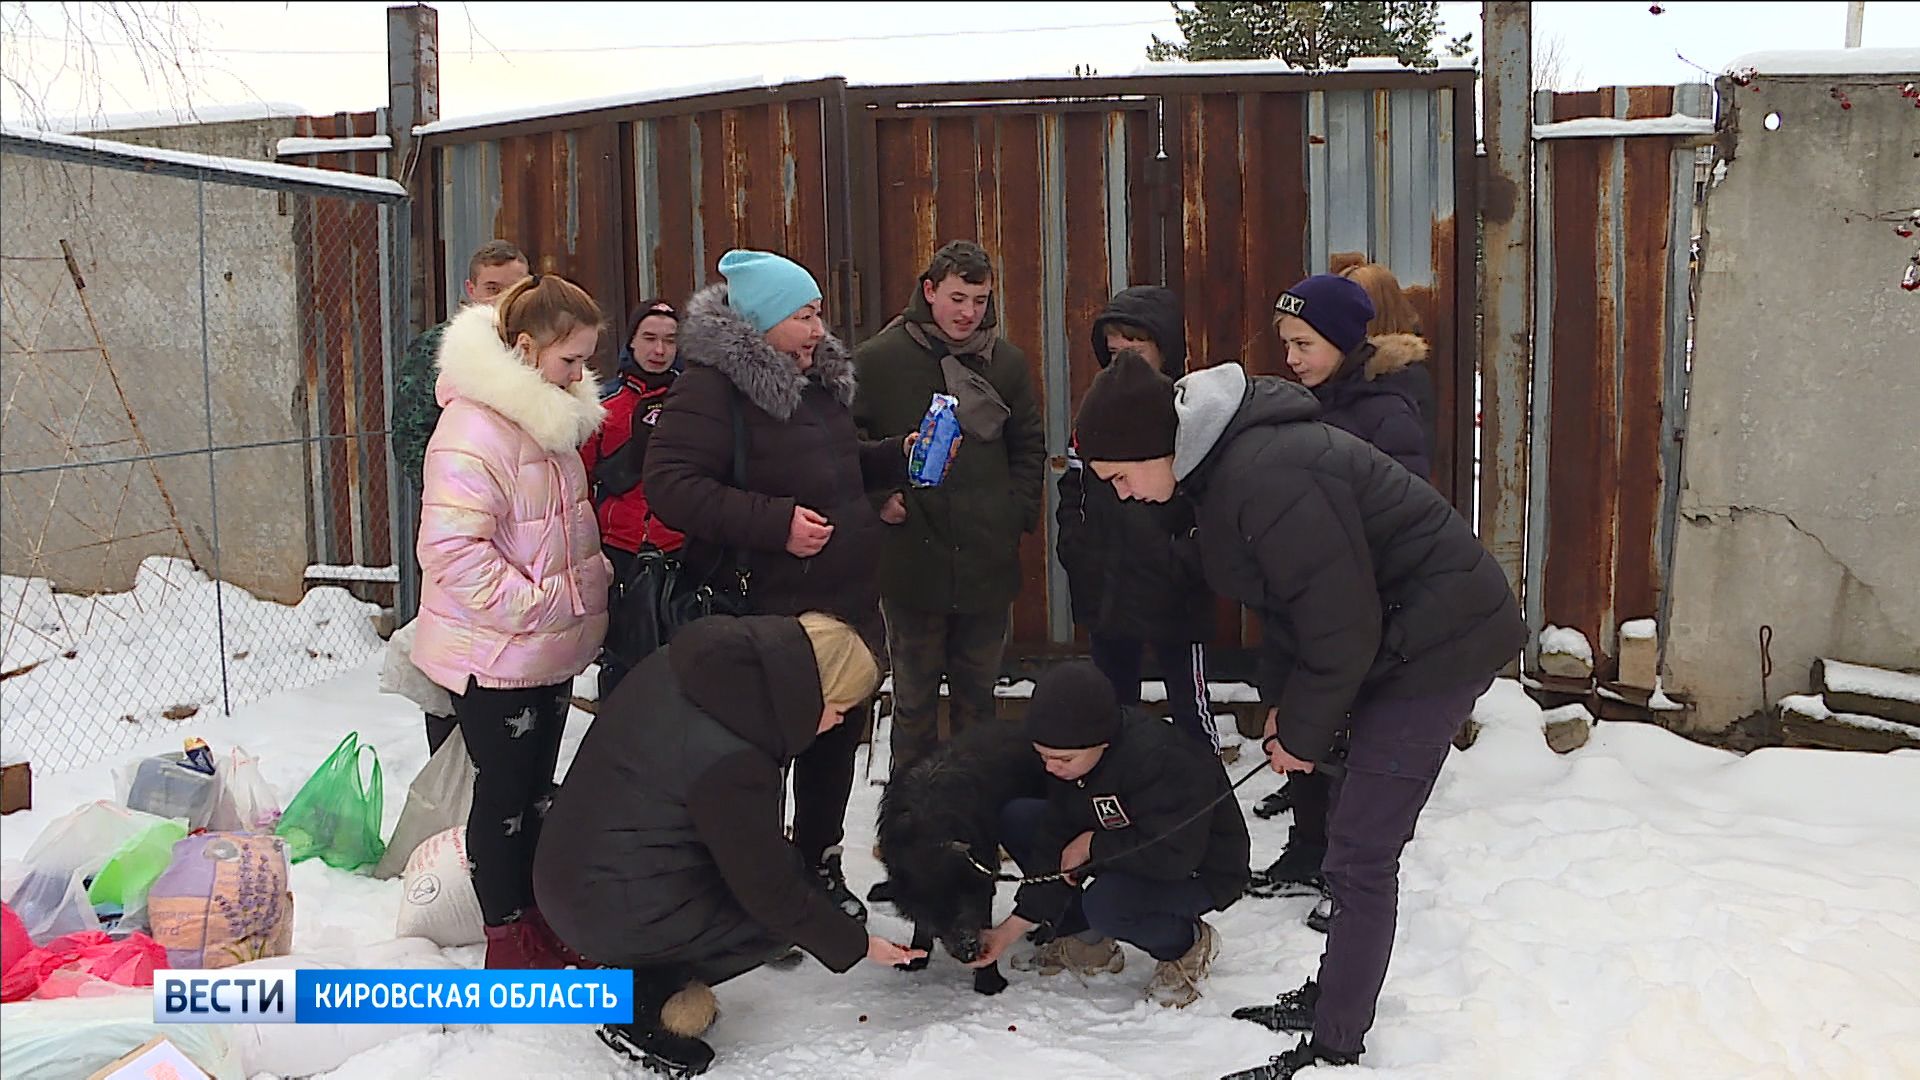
[16, 787]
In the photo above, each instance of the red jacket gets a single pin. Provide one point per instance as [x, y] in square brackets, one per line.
[631, 413]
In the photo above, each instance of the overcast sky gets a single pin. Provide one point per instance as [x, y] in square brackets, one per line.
[328, 57]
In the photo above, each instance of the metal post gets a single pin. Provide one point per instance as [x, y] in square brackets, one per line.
[1506, 304]
[1856, 22]
[213, 476]
[413, 97]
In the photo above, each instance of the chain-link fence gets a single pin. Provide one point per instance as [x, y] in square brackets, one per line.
[196, 489]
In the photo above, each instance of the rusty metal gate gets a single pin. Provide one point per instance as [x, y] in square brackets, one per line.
[1225, 187]
[1614, 228]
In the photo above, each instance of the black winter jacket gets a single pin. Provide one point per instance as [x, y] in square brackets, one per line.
[1383, 393]
[665, 843]
[1133, 568]
[802, 449]
[1150, 779]
[1366, 581]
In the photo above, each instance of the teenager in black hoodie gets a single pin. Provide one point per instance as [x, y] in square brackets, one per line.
[1133, 569]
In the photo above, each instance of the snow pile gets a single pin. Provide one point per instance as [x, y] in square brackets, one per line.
[1561, 641]
[1645, 906]
[1639, 630]
[106, 669]
[1814, 707]
[1844, 678]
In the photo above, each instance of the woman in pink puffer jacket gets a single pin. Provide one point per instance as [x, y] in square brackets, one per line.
[513, 601]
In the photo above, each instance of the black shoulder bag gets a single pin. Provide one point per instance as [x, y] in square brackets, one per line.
[664, 592]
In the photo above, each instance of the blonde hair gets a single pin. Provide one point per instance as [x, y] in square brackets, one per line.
[848, 672]
[1392, 312]
[546, 308]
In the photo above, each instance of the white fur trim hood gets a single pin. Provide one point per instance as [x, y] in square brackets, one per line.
[476, 365]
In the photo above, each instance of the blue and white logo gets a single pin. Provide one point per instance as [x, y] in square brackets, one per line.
[223, 997]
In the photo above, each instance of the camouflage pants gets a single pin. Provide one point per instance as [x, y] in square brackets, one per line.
[965, 649]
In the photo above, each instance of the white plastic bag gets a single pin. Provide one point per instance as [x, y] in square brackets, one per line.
[399, 676]
[309, 1049]
[438, 902]
[244, 801]
[437, 800]
[52, 898]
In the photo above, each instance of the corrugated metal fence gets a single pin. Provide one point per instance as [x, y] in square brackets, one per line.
[1226, 188]
[1614, 217]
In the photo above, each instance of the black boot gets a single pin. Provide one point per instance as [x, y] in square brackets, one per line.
[1293, 1010]
[834, 881]
[658, 1051]
[881, 893]
[1295, 873]
[1275, 804]
[1283, 1066]
[1321, 917]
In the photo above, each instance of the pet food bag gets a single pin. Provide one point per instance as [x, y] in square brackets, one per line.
[438, 902]
[223, 900]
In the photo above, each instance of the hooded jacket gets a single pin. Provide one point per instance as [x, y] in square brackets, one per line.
[1383, 393]
[802, 449]
[514, 587]
[1366, 581]
[1133, 568]
[1149, 780]
[959, 550]
[665, 843]
[619, 448]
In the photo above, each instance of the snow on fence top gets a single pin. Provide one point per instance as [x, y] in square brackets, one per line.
[1814, 707]
[92, 151]
[1564, 642]
[1844, 678]
[1896, 62]
[1639, 629]
[200, 114]
[326, 572]
[294, 146]
[1601, 127]
[583, 105]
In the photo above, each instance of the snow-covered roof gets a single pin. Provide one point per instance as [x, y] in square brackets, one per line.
[1600, 127]
[195, 114]
[1831, 62]
[344, 145]
[240, 167]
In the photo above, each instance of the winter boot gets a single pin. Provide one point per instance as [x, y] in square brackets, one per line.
[1069, 953]
[1176, 983]
[1275, 804]
[1293, 1010]
[515, 946]
[664, 1037]
[549, 950]
[834, 882]
[1321, 917]
[1295, 873]
[1283, 1066]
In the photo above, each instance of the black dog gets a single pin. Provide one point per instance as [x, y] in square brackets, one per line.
[940, 837]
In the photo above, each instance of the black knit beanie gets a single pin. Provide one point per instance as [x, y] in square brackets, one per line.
[1127, 414]
[1073, 708]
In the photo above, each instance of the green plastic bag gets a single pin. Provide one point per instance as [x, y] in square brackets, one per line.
[131, 870]
[335, 816]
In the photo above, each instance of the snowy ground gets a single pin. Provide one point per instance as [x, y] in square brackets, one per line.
[1642, 907]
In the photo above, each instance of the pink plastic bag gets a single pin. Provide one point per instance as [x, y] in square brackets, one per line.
[71, 966]
[15, 943]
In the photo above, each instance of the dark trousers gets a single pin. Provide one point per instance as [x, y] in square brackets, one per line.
[925, 646]
[611, 671]
[1312, 795]
[1183, 665]
[514, 739]
[1161, 918]
[438, 729]
[1397, 749]
[822, 785]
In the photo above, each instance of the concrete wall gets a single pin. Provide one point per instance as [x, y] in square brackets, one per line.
[136, 239]
[253, 140]
[1800, 506]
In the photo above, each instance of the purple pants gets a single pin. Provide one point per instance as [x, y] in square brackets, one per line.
[1397, 749]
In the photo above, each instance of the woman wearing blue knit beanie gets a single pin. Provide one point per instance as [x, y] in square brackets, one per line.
[762, 370]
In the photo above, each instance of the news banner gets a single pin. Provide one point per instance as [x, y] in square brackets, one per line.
[410, 996]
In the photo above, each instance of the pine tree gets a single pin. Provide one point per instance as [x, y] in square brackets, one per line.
[1312, 36]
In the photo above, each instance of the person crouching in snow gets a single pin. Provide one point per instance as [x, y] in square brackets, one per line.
[1150, 809]
[1381, 616]
[513, 602]
[664, 851]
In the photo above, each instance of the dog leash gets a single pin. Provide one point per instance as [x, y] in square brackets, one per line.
[1330, 769]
